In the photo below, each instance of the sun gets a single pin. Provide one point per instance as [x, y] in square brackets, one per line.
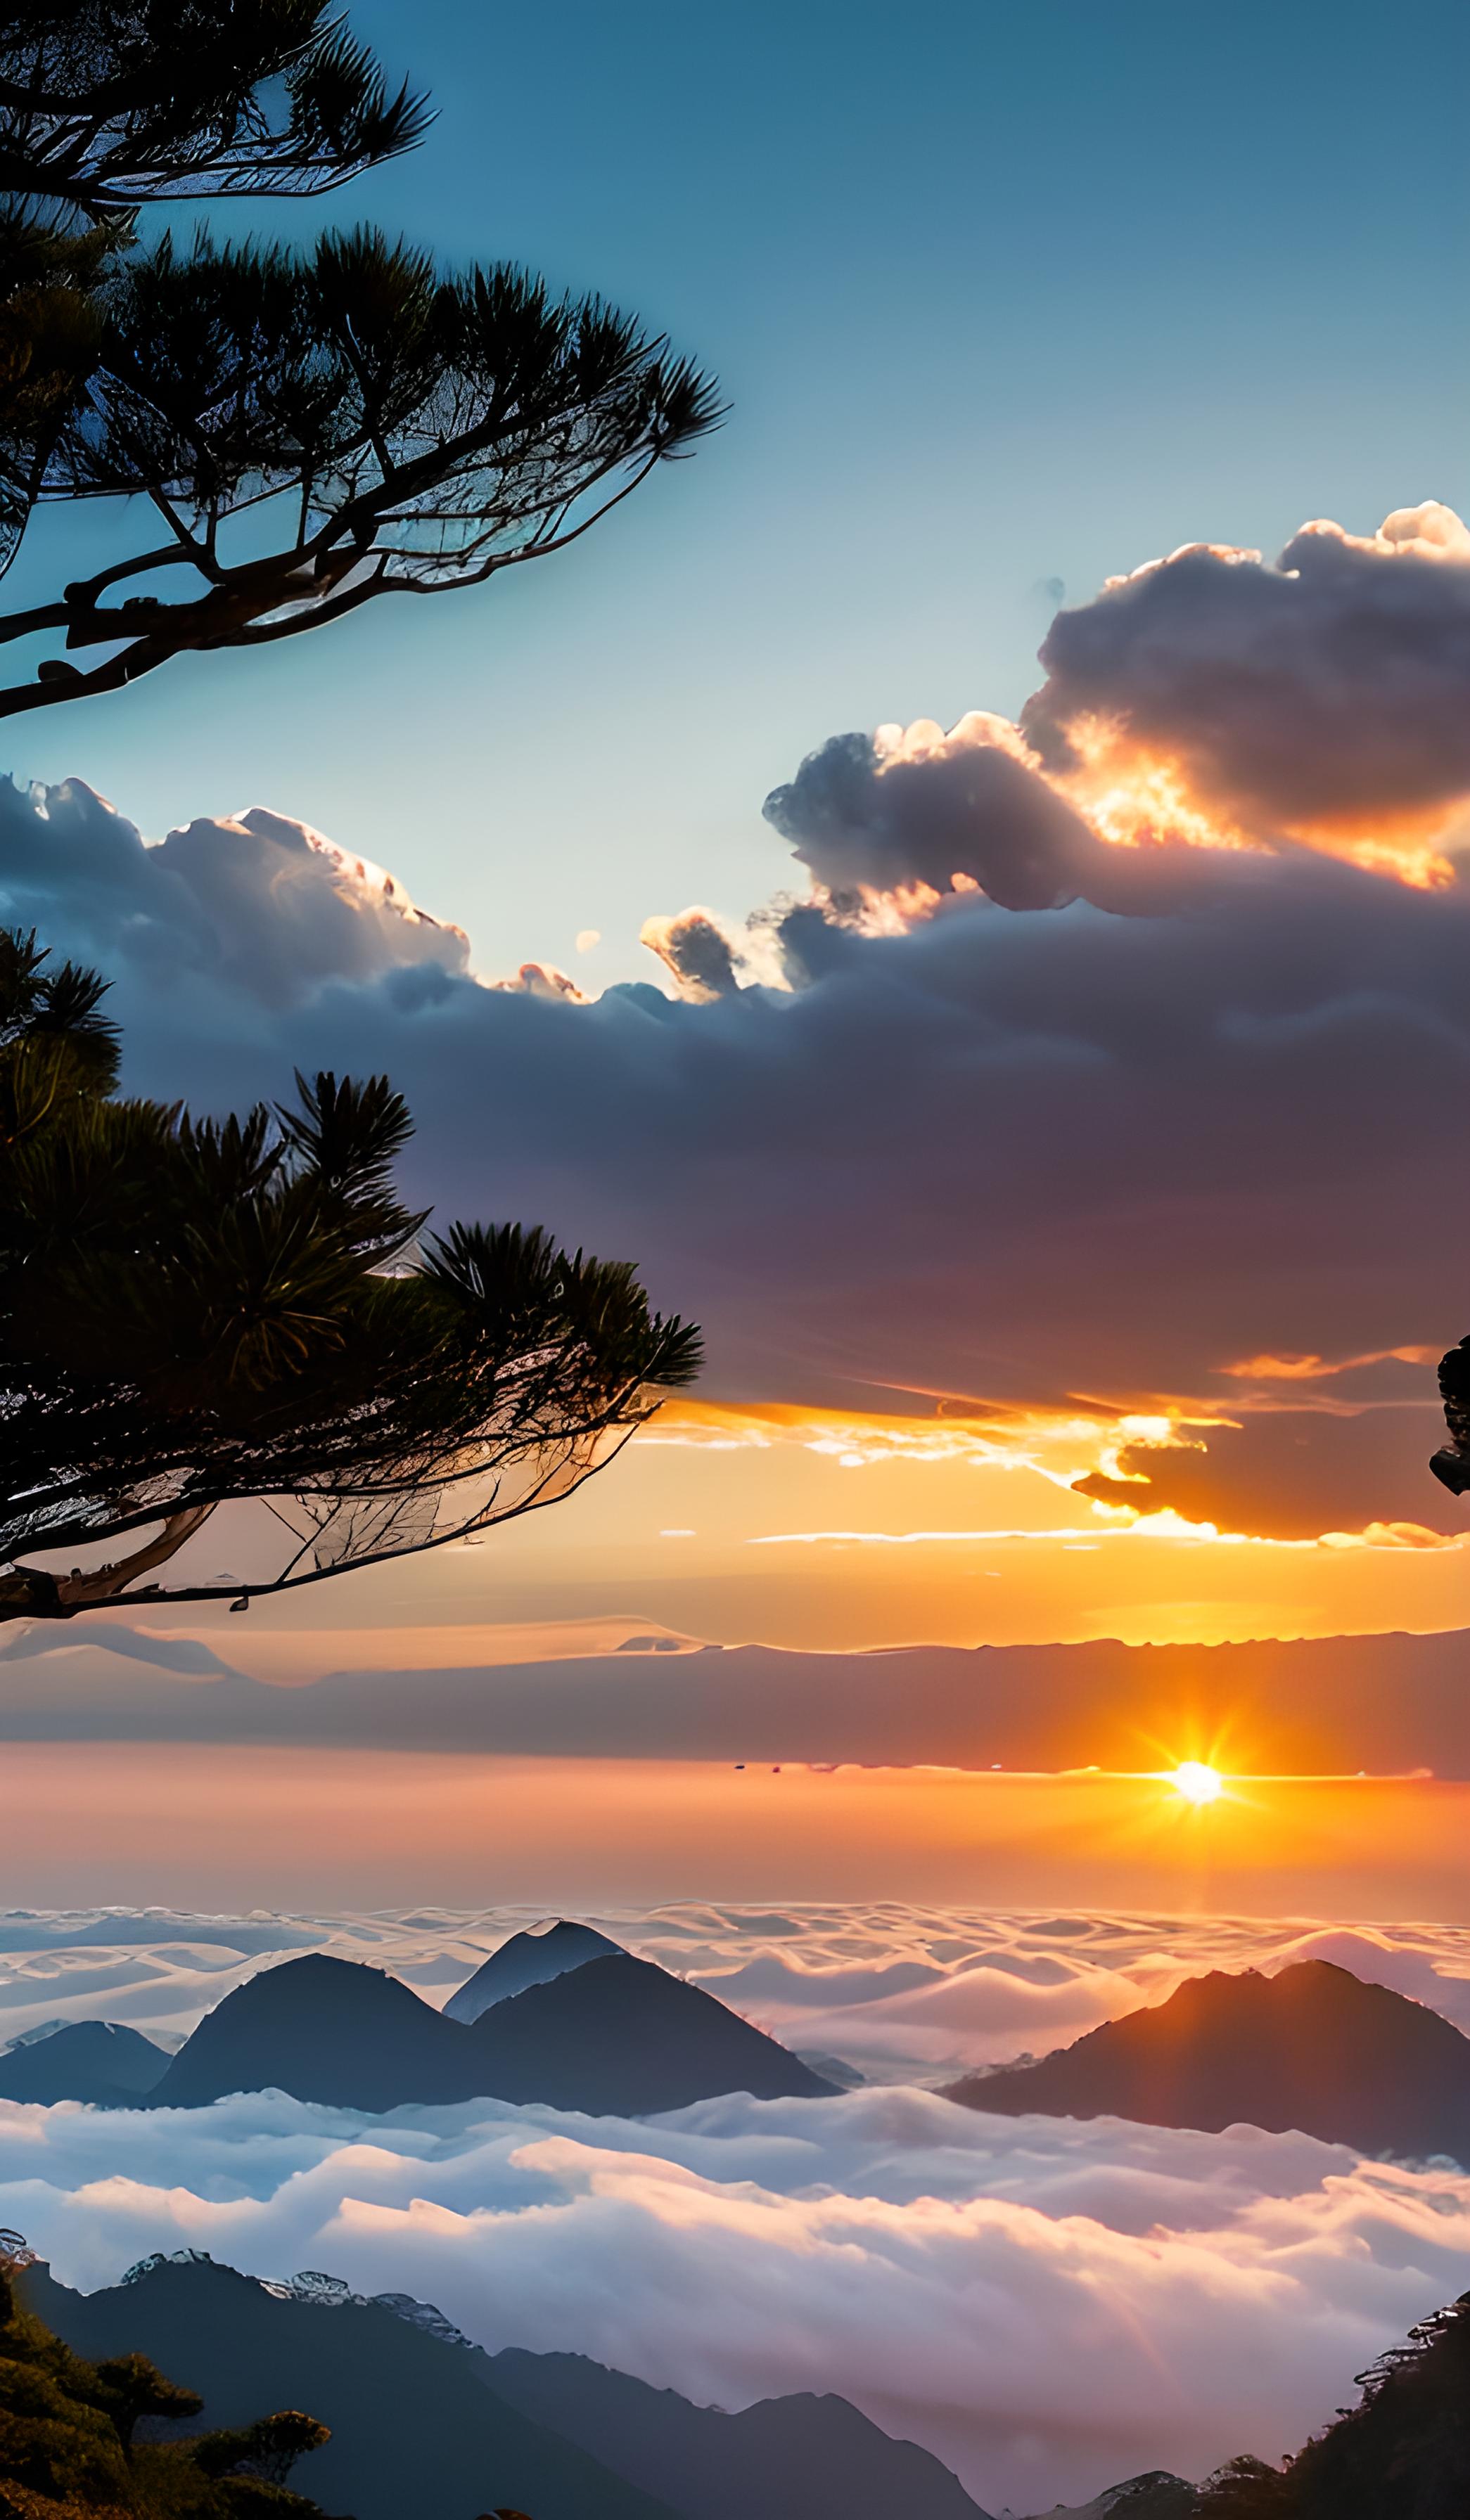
[1197, 1782]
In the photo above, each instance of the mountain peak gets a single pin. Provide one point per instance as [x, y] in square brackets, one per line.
[1312, 2049]
[608, 2037]
[420, 2426]
[638, 2038]
[530, 1959]
[323, 2029]
[104, 2062]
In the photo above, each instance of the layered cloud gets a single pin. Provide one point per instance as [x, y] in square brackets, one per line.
[1089, 1090]
[939, 2267]
[1385, 1707]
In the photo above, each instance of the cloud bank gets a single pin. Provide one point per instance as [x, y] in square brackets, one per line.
[935, 2265]
[1091, 1078]
[939, 2267]
[1382, 1705]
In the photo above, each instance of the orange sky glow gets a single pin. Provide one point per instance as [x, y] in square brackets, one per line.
[798, 1528]
[178, 1825]
[1259, 1488]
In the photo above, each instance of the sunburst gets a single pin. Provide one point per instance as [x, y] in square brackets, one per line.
[1198, 1783]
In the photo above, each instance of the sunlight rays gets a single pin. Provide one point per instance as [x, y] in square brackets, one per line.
[1198, 1783]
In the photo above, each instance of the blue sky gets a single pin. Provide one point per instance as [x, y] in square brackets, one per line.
[1001, 297]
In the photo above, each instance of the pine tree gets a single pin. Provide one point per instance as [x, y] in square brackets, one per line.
[306, 430]
[201, 1313]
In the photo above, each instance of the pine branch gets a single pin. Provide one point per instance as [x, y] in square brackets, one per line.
[413, 432]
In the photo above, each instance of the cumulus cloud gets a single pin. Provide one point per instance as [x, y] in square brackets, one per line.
[938, 2267]
[1037, 1122]
[1207, 699]
[916, 806]
[253, 905]
[1010, 1159]
[695, 949]
[1329, 687]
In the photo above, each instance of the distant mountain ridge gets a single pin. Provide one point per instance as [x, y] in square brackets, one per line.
[424, 2429]
[611, 2037]
[1313, 2048]
[620, 2037]
[1158, 2494]
[417, 2433]
[784, 2459]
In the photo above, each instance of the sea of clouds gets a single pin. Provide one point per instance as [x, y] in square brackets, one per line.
[899, 1991]
[1047, 2306]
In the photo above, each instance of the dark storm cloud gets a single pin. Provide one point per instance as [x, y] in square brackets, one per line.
[1330, 686]
[1011, 1157]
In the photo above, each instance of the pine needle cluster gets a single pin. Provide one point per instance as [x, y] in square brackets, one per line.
[197, 1313]
[304, 429]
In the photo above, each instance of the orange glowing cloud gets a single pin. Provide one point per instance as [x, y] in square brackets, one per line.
[1134, 798]
[1319, 699]
[1058, 1445]
[1137, 796]
[1126, 1466]
[1204, 703]
[1316, 1369]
